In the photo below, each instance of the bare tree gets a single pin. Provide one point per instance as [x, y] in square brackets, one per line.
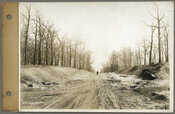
[113, 61]
[70, 53]
[153, 28]
[49, 42]
[139, 54]
[40, 39]
[158, 26]
[145, 48]
[47, 48]
[52, 35]
[77, 42]
[166, 36]
[62, 42]
[36, 34]
[27, 17]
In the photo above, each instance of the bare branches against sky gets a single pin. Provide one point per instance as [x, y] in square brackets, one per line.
[104, 26]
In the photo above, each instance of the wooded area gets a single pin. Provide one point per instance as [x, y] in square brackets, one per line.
[151, 50]
[41, 44]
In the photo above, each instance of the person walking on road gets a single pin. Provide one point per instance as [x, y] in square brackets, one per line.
[97, 72]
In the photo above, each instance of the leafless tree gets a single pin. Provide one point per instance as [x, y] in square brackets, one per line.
[27, 19]
[77, 42]
[36, 35]
[40, 40]
[46, 47]
[153, 28]
[166, 37]
[145, 48]
[158, 18]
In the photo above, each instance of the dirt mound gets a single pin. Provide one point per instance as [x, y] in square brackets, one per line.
[150, 72]
[147, 74]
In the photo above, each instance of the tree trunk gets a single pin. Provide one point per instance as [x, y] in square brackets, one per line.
[62, 55]
[47, 52]
[35, 50]
[75, 57]
[67, 59]
[70, 56]
[145, 57]
[159, 41]
[167, 57]
[26, 40]
[40, 41]
[25, 54]
[151, 46]
[52, 51]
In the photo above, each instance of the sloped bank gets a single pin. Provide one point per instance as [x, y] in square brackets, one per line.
[37, 77]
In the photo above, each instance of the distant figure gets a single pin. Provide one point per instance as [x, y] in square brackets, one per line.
[97, 72]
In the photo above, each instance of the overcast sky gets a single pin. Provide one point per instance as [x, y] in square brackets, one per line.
[104, 26]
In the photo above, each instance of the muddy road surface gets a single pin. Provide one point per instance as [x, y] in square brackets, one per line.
[103, 91]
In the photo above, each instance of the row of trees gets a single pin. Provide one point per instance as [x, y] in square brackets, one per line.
[41, 44]
[147, 52]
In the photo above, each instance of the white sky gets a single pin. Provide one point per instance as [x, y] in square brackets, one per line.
[104, 26]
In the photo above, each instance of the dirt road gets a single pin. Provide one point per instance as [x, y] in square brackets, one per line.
[95, 92]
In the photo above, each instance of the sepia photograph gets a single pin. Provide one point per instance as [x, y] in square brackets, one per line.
[96, 56]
